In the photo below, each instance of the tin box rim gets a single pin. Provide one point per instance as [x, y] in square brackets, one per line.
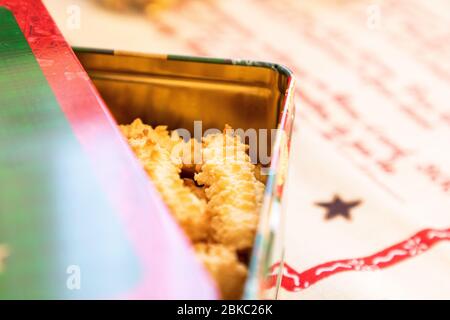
[281, 68]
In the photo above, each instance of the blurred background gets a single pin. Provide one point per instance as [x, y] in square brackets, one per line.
[370, 164]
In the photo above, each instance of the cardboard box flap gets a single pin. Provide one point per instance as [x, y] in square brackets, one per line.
[78, 216]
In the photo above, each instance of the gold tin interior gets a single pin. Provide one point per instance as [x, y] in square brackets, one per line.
[176, 91]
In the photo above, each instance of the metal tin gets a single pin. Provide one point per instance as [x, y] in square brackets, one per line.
[178, 90]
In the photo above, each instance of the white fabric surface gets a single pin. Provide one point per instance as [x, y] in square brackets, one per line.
[373, 125]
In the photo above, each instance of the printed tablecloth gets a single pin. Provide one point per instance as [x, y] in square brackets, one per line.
[368, 201]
